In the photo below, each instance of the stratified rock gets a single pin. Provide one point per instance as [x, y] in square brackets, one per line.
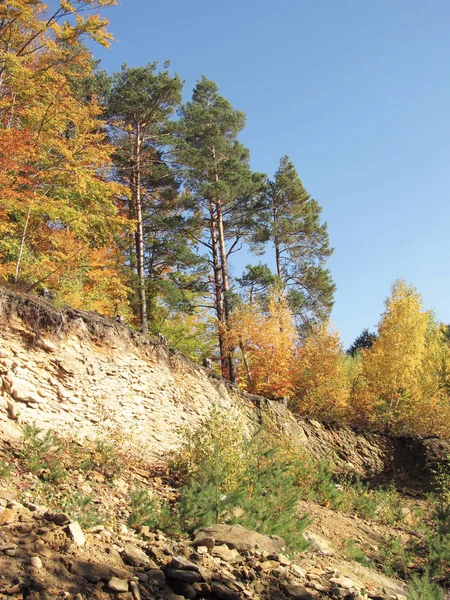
[298, 592]
[236, 536]
[135, 556]
[223, 592]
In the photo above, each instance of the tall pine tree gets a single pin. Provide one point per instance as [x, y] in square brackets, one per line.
[140, 105]
[218, 175]
[291, 221]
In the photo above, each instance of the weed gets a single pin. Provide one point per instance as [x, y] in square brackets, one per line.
[6, 468]
[70, 501]
[107, 459]
[353, 552]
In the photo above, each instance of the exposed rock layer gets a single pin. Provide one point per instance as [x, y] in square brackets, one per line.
[79, 373]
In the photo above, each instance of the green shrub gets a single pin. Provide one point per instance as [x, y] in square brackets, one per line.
[438, 542]
[395, 557]
[424, 588]
[42, 454]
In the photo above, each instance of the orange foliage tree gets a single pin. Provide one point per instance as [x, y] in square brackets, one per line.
[320, 380]
[58, 211]
[265, 341]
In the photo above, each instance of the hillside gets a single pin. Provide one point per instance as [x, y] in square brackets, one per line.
[88, 378]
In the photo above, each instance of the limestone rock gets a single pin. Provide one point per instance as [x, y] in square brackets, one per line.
[236, 536]
[135, 556]
[74, 530]
[118, 585]
[319, 544]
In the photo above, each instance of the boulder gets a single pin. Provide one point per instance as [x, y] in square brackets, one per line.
[242, 539]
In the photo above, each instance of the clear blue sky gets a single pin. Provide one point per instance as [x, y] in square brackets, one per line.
[357, 93]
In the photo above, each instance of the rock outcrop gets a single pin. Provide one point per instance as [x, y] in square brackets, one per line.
[82, 373]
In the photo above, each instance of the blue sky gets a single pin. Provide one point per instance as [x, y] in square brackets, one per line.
[357, 93]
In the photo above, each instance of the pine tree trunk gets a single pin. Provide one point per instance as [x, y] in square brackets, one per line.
[224, 268]
[218, 287]
[225, 284]
[139, 235]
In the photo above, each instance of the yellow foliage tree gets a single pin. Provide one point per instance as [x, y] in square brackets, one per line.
[321, 385]
[265, 341]
[58, 212]
[404, 367]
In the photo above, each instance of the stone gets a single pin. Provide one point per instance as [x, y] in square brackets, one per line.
[298, 592]
[236, 536]
[187, 590]
[74, 530]
[5, 547]
[94, 572]
[21, 390]
[12, 411]
[118, 585]
[223, 592]
[36, 562]
[156, 577]
[202, 550]
[319, 544]
[135, 556]
[57, 518]
[135, 590]
[342, 582]
[296, 570]
[181, 575]
[42, 549]
[8, 515]
[227, 554]
[267, 565]
[179, 562]
[208, 541]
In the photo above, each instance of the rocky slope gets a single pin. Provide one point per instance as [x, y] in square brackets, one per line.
[44, 555]
[80, 373]
[85, 376]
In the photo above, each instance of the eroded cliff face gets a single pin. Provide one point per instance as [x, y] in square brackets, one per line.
[82, 374]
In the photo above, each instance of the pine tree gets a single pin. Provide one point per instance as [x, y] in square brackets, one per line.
[217, 173]
[364, 341]
[140, 104]
[291, 221]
